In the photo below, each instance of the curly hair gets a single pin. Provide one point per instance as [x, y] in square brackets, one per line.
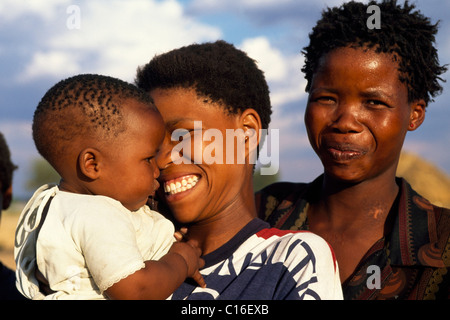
[6, 165]
[217, 71]
[81, 105]
[404, 33]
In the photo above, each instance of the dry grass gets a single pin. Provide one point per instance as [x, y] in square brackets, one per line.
[427, 179]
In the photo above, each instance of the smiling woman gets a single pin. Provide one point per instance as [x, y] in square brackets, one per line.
[221, 87]
[211, 180]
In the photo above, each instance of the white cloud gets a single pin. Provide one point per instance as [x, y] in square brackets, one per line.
[270, 60]
[56, 63]
[113, 38]
[248, 4]
[251, 6]
[11, 10]
[218, 5]
[282, 71]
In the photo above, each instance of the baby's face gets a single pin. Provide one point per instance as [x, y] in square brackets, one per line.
[130, 170]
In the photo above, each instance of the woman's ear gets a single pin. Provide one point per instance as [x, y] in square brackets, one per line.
[417, 114]
[251, 123]
[89, 161]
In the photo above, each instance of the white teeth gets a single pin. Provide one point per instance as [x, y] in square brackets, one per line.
[180, 184]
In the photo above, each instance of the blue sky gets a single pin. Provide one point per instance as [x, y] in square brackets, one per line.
[37, 49]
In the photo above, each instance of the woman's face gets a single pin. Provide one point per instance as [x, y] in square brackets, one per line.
[358, 114]
[197, 189]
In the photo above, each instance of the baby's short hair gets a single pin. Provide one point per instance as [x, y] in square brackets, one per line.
[86, 104]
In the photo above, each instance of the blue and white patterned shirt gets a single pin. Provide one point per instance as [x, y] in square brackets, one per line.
[263, 263]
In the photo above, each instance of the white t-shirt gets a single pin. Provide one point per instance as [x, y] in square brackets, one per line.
[86, 244]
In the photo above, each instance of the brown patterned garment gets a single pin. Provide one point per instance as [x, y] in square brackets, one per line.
[411, 262]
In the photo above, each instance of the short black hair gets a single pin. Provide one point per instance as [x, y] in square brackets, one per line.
[217, 70]
[404, 33]
[80, 105]
[6, 166]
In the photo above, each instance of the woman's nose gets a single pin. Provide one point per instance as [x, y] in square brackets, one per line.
[346, 118]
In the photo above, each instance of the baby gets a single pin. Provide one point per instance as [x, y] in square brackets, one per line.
[93, 236]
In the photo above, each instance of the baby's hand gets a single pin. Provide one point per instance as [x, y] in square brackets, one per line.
[180, 235]
[191, 253]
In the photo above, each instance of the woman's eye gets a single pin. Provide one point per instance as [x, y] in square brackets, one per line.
[325, 100]
[377, 104]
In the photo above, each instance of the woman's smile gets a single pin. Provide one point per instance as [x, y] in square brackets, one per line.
[180, 184]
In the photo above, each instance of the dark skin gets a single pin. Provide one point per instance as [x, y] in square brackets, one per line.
[7, 197]
[221, 203]
[357, 117]
[129, 176]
